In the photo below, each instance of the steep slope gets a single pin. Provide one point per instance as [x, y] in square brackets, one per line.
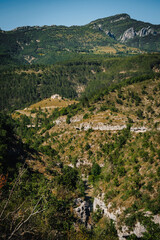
[130, 31]
[34, 205]
[50, 44]
[114, 144]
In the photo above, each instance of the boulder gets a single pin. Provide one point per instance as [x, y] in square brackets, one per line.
[83, 211]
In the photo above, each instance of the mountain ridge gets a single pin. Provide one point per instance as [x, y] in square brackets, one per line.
[51, 44]
[121, 15]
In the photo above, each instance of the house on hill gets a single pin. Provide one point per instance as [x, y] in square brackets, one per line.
[56, 96]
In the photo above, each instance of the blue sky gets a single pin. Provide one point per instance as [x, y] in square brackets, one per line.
[15, 13]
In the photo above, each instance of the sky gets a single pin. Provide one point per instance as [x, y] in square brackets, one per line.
[17, 13]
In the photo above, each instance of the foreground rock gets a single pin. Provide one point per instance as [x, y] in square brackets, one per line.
[124, 232]
[83, 211]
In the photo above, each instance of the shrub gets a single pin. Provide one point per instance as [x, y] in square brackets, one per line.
[150, 109]
[68, 119]
[140, 114]
[96, 216]
[86, 116]
[119, 101]
[103, 108]
[121, 171]
[158, 172]
[69, 178]
[87, 147]
[96, 169]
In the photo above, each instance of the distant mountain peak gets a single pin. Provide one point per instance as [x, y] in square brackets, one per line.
[115, 18]
[120, 17]
[125, 15]
[131, 33]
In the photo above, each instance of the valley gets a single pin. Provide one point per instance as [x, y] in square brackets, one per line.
[80, 131]
[95, 140]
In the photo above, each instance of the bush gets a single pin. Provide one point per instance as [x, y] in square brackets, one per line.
[103, 108]
[68, 119]
[158, 172]
[140, 114]
[87, 147]
[86, 116]
[48, 150]
[69, 178]
[119, 101]
[96, 216]
[121, 171]
[96, 169]
[105, 232]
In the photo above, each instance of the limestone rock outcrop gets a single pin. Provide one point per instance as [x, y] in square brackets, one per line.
[83, 211]
[131, 33]
[128, 34]
[124, 232]
[146, 31]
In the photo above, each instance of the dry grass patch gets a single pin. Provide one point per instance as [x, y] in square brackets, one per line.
[52, 103]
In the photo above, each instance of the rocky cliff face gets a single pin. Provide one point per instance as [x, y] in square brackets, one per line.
[146, 31]
[131, 33]
[122, 28]
[128, 34]
[79, 124]
[124, 232]
[83, 211]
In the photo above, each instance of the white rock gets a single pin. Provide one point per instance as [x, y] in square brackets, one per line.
[60, 120]
[139, 129]
[139, 230]
[156, 219]
[128, 34]
[124, 232]
[76, 118]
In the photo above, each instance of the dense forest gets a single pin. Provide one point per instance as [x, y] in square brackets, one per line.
[22, 86]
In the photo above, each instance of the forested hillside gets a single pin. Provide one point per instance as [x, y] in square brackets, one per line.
[118, 34]
[22, 86]
[103, 151]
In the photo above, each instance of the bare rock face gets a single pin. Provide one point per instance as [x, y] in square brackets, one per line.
[146, 31]
[83, 211]
[124, 232]
[106, 127]
[121, 18]
[83, 162]
[128, 34]
[139, 129]
[131, 33]
[109, 34]
[76, 118]
[156, 219]
[100, 126]
[106, 209]
[60, 120]
[106, 31]
[78, 124]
